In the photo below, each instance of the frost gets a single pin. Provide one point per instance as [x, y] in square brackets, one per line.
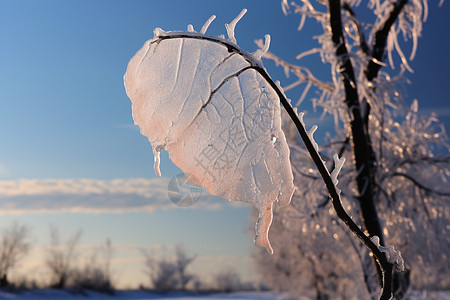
[300, 117]
[339, 163]
[392, 256]
[311, 137]
[230, 27]
[265, 47]
[203, 100]
[207, 23]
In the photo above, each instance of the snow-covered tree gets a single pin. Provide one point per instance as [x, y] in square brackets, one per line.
[396, 185]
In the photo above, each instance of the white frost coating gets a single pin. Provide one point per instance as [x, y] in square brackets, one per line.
[393, 256]
[300, 117]
[338, 164]
[278, 84]
[217, 118]
[230, 27]
[311, 137]
[260, 52]
[190, 28]
[157, 32]
[207, 23]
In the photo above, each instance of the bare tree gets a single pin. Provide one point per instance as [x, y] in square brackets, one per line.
[60, 257]
[167, 275]
[96, 274]
[182, 261]
[396, 186]
[14, 246]
[228, 281]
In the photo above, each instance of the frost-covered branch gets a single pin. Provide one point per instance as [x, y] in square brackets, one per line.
[361, 38]
[362, 149]
[430, 160]
[303, 73]
[419, 185]
[380, 37]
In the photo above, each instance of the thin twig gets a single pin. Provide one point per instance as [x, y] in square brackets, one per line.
[419, 185]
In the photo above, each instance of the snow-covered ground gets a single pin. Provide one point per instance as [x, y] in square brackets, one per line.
[142, 295]
[137, 295]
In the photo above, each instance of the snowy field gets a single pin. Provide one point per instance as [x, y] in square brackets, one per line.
[142, 295]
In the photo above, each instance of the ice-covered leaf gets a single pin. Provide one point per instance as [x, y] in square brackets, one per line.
[202, 99]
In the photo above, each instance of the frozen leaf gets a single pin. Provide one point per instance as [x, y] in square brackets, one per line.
[203, 100]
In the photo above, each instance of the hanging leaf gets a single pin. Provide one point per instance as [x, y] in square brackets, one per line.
[202, 99]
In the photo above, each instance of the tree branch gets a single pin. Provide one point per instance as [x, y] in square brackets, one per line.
[340, 153]
[419, 185]
[431, 160]
[362, 39]
[380, 38]
[362, 150]
[297, 70]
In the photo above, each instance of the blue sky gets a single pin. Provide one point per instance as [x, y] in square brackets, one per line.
[70, 155]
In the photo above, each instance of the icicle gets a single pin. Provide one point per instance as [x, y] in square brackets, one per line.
[286, 71]
[266, 43]
[285, 7]
[305, 91]
[156, 152]
[402, 56]
[379, 62]
[415, 106]
[392, 256]
[338, 163]
[207, 23]
[230, 27]
[311, 137]
[260, 52]
[300, 116]
[190, 28]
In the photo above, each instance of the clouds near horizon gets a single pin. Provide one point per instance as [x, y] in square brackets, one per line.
[33, 196]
